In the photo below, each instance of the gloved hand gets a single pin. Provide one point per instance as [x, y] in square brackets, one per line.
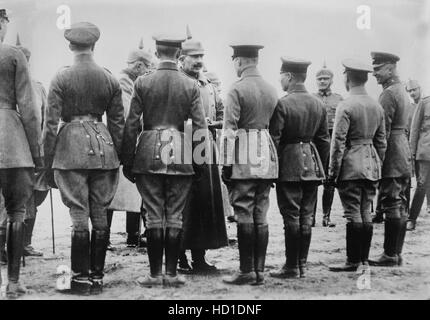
[330, 182]
[127, 171]
[39, 163]
[226, 174]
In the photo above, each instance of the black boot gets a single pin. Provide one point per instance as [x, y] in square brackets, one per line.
[327, 201]
[155, 245]
[366, 242]
[379, 213]
[401, 239]
[80, 256]
[109, 216]
[183, 265]
[292, 247]
[173, 239]
[391, 234]
[199, 263]
[261, 242]
[97, 258]
[28, 249]
[15, 246]
[246, 240]
[305, 242]
[353, 248]
[3, 255]
[132, 229]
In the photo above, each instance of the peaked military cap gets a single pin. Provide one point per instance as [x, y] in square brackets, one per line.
[381, 58]
[356, 65]
[324, 72]
[245, 50]
[192, 47]
[82, 33]
[140, 55]
[4, 14]
[294, 65]
[168, 40]
[412, 84]
[24, 50]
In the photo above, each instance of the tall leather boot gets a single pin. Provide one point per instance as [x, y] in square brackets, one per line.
[327, 201]
[199, 262]
[155, 249]
[80, 256]
[109, 216]
[15, 246]
[246, 240]
[366, 242]
[353, 248]
[173, 238]
[305, 242]
[132, 228]
[28, 249]
[97, 259]
[3, 255]
[389, 257]
[292, 247]
[401, 238]
[379, 213]
[261, 242]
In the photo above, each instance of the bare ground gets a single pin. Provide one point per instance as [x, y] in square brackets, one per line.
[125, 265]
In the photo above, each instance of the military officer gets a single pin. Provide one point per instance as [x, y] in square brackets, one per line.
[162, 172]
[356, 156]
[249, 106]
[41, 187]
[414, 90]
[331, 100]
[127, 198]
[19, 149]
[396, 168]
[299, 130]
[420, 141]
[84, 152]
[204, 223]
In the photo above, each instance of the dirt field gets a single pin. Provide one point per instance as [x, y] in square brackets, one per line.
[124, 266]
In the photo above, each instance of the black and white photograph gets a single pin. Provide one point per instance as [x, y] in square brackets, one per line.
[214, 150]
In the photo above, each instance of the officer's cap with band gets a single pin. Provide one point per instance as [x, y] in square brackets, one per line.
[140, 55]
[382, 58]
[24, 50]
[82, 33]
[192, 47]
[412, 84]
[168, 40]
[294, 65]
[324, 72]
[4, 14]
[246, 50]
[356, 65]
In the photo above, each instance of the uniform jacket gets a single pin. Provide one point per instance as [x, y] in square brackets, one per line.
[246, 142]
[358, 141]
[299, 129]
[396, 105]
[410, 116]
[331, 101]
[20, 131]
[165, 99]
[420, 131]
[82, 89]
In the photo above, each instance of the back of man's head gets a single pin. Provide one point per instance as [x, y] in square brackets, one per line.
[167, 52]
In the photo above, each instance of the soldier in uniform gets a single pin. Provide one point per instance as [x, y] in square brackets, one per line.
[41, 188]
[3, 227]
[331, 100]
[356, 156]
[84, 152]
[204, 222]
[249, 106]
[19, 149]
[420, 148]
[396, 168]
[127, 198]
[156, 162]
[299, 130]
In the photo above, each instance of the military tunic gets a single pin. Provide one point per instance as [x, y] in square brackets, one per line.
[357, 151]
[84, 152]
[331, 101]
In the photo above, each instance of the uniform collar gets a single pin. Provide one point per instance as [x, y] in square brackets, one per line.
[201, 78]
[84, 57]
[167, 65]
[390, 82]
[299, 87]
[324, 93]
[250, 71]
[130, 74]
[360, 90]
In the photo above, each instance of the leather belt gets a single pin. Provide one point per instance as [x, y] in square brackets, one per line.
[87, 117]
[356, 142]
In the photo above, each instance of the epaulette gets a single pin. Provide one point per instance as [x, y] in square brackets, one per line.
[148, 72]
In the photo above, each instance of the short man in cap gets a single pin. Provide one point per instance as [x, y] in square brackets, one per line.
[299, 130]
[250, 171]
[204, 222]
[84, 152]
[41, 187]
[356, 156]
[324, 78]
[127, 198]
[19, 149]
[396, 168]
[420, 142]
[162, 172]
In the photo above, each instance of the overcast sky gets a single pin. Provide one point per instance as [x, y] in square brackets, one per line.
[315, 30]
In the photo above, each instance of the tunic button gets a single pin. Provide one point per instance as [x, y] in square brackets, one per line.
[81, 122]
[88, 136]
[158, 144]
[304, 154]
[157, 157]
[95, 122]
[301, 142]
[101, 152]
[305, 168]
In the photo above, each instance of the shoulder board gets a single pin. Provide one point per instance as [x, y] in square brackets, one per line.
[107, 70]
[147, 73]
[426, 98]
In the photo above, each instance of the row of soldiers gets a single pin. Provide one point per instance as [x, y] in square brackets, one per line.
[82, 157]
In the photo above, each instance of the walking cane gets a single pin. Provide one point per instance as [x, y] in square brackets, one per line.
[52, 221]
